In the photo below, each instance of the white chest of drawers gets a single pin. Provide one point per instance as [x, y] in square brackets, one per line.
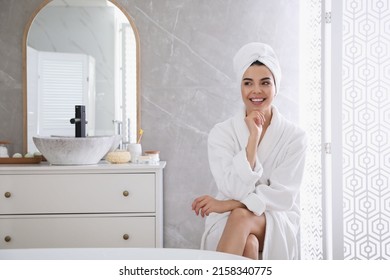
[104, 205]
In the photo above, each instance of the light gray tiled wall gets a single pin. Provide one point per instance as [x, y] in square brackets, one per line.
[187, 83]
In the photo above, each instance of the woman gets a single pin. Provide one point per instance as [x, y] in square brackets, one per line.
[257, 161]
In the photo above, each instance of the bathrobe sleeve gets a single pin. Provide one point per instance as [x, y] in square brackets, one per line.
[231, 170]
[284, 181]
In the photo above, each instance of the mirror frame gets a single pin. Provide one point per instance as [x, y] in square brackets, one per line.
[24, 66]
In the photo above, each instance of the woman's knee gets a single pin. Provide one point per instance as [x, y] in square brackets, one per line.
[245, 220]
[240, 213]
[239, 217]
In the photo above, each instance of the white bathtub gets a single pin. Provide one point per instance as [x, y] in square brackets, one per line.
[113, 254]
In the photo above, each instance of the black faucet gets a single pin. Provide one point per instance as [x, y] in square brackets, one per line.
[79, 121]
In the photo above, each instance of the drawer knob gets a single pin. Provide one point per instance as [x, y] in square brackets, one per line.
[125, 193]
[126, 236]
[7, 194]
[7, 238]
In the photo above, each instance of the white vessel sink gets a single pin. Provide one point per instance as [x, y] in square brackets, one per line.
[72, 150]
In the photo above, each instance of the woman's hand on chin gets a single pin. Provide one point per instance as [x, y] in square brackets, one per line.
[255, 121]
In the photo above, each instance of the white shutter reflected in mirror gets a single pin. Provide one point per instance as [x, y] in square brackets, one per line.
[64, 80]
[129, 87]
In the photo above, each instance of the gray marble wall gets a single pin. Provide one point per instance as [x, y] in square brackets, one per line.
[187, 83]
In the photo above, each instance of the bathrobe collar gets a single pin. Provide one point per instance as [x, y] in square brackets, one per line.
[270, 138]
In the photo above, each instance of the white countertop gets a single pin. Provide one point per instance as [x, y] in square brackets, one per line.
[102, 165]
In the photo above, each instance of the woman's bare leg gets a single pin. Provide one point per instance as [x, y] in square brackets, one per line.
[251, 249]
[240, 224]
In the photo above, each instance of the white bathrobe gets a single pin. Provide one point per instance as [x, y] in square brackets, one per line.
[271, 188]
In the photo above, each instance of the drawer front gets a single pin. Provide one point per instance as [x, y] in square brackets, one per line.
[77, 193]
[78, 232]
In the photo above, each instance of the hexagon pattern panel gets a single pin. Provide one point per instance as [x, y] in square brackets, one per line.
[366, 129]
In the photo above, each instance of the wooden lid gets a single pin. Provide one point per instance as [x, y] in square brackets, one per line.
[152, 152]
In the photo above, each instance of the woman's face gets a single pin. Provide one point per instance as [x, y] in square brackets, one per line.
[258, 89]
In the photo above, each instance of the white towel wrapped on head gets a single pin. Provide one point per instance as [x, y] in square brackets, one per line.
[257, 51]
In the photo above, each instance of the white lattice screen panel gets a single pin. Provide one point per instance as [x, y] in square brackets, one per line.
[366, 129]
[310, 108]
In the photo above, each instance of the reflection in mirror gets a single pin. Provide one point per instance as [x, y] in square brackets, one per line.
[81, 53]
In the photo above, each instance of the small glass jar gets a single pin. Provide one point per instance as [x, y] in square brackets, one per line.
[154, 156]
[4, 152]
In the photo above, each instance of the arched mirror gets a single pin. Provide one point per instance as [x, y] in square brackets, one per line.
[80, 53]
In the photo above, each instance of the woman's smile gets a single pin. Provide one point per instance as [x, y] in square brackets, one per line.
[257, 101]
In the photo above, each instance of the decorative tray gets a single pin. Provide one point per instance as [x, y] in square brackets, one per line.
[23, 160]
